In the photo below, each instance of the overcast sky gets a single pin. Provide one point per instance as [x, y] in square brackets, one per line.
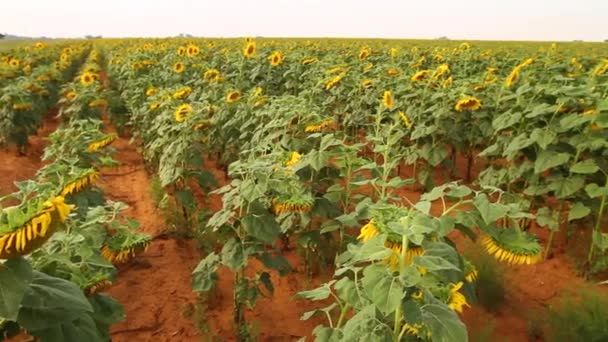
[457, 19]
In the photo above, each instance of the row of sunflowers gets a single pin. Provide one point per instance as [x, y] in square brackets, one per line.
[59, 235]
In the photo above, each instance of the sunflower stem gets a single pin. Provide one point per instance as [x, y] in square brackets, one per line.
[402, 265]
[598, 222]
[342, 315]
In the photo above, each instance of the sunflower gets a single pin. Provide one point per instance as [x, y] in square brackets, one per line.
[181, 50]
[420, 75]
[457, 300]
[34, 232]
[233, 96]
[97, 287]
[388, 100]
[182, 112]
[405, 119]
[87, 78]
[393, 72]
[80, 183]
[367, 84]
[124, 254]
[333, 81]
[601, 69]
[258, 91]
[276, 58]
[249, 50]
[441, 70]
[203, 124]
[447, 82]
[39, 45]
[372, 228]
[514, 247]
[22, 106]
[151, 91]
[99, 103]
[326, 125]
[14, 63]
[193, 50]
[468, 103]
[294, 204]
[101, 143]
[294, 158]
[182, 93]
[393, 52]
[364, 53]
[309, 60]
[154, 106]
[513, 76]
[213, 75]
[464, 46]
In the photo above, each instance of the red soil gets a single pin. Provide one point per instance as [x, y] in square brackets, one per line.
[156, 292]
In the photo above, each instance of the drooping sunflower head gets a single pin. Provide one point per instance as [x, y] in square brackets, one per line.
[24, 106]
[276, 58]
[122, 247]
[311, 60]
[456, 300]
[333, 81]
[367, 84]
[441, 70]
[182, 112]
[249, 50]
[388, 100]
[513, 247]
[71, 95]
[420, 75]
[179, 67]
[295, 203]
[405, 119]
[364, 53]
[294, 158]
[212, 75]
[233, 96]
[80, 182]
[323, 126]
[468, 103]
[182, 93]
[87, 78]
[513, 76]
[98, 103]
[393, 72]
[151, 91]
[470, 272]
[102, 142]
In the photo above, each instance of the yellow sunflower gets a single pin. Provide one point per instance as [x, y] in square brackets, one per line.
[468, 103]
[517, 249]
[233, 96]
[87, 78]
[388, 100]
[181, 50]
[249, 50]
[309, 60]
[405, 119]
[457, 300]
[420, 75]
[182, 112]
[294, 158]
[151, 91]
[367, 84]
[364, 53]
[276, 58]
[193, 50]
[393, 72]
[179, 67]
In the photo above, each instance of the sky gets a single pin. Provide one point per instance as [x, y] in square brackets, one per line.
[549, 20]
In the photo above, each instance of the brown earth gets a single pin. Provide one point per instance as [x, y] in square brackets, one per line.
[156, 292]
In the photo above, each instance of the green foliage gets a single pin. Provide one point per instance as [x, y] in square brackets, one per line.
[578, 316]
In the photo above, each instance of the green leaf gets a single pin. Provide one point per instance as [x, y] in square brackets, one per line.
[262, 227]
[578, 211]
[264, 279]
[364, 326]
[320, 293]
[564, 187]
[490, 212]
[517, 144]
[443, 323]
[585, 167]
[327, 334]
[437, 154]
[49, 301]
[549, 159]
[545, 217]
[543, 137]
[233, 254]
[505, 120]
[276, 262]
[459, 191]
[15, 277]
[594, 190]
[372, 250]
[384, 290]
[347, 292]
[434, 263]
[204, 275]
[81, 328]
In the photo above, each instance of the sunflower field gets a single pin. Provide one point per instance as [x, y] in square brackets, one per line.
[377, 160]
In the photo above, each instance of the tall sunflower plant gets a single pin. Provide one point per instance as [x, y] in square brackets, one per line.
[405, 279]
